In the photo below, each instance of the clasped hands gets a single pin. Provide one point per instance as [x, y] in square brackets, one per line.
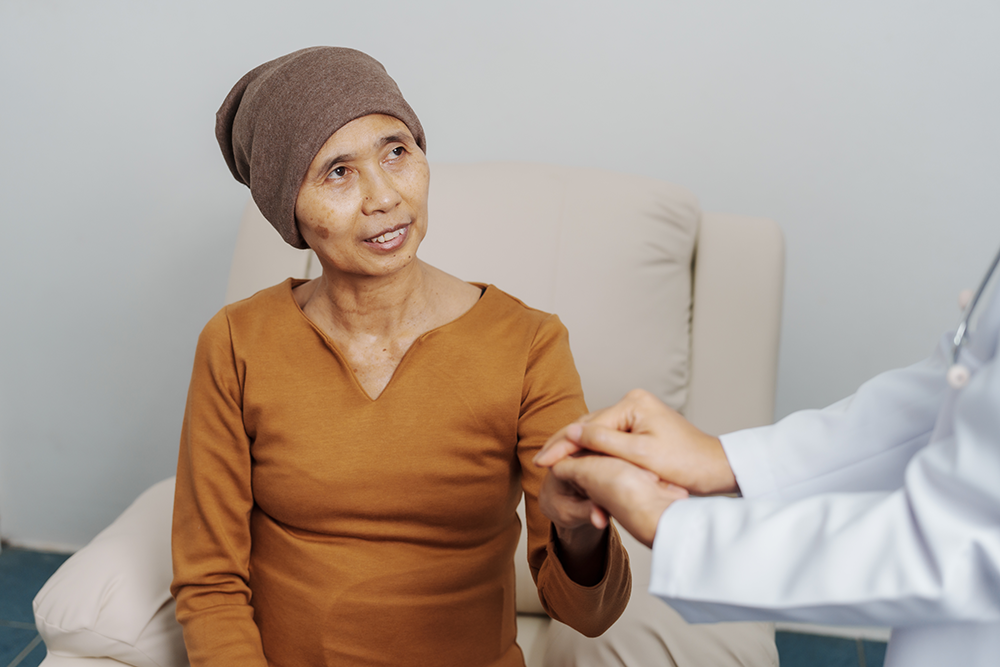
[631, 461]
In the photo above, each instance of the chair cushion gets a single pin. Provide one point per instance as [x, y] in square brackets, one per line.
[568, 241]
[572, 238]
[111, 599]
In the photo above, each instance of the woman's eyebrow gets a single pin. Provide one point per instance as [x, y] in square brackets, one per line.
[347, 157]
[393, 139]
[328, 164]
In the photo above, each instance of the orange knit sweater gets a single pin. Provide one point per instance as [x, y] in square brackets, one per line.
[315, 526]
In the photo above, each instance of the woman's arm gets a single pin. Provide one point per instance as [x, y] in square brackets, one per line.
[212, 504]
[582, 574]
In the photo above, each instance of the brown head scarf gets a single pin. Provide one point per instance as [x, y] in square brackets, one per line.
[278, 116]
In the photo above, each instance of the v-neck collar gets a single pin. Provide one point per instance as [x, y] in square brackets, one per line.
[488, 293]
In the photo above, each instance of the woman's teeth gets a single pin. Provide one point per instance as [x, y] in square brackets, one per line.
[387, 237]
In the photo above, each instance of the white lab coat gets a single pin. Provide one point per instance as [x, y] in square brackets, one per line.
[883, 509]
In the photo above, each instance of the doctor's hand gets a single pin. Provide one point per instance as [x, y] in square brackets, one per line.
[635, 497]
[643, 431]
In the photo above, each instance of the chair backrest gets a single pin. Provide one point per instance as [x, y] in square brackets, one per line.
[655, 293]
[611, 254]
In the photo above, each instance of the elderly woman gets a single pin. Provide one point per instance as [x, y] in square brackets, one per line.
[355, 446]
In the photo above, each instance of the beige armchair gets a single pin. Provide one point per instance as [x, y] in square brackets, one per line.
[655, 294]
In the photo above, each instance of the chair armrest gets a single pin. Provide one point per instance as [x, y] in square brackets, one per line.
[111, 599]
[261, 258]
[735, 322]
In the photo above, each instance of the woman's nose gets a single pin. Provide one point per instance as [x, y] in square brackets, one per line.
[380, 193]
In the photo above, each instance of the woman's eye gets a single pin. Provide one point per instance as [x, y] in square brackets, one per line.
[338, 172]
[397, 151]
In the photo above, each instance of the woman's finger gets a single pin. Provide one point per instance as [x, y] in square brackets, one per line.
[634, 496]
[598, 517]
[564, 503]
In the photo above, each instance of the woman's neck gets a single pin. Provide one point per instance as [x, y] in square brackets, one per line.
[370, 306]
[374, 322]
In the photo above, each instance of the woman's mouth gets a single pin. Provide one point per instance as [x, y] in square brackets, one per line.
[382, 238]
[389, 240]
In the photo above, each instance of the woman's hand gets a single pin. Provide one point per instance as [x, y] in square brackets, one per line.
[643, 431]
[635, 497]
[581, 528]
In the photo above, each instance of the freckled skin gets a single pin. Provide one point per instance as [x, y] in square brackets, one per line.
[373, 299]
[379, 186]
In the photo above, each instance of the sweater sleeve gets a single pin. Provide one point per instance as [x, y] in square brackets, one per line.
[212, 505]
[552, 397]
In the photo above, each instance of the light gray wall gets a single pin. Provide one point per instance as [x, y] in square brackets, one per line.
[867, 128]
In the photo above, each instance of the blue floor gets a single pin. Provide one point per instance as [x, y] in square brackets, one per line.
[801, 650]
[23, 572]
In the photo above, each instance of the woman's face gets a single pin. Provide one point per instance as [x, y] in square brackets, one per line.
[362, 206]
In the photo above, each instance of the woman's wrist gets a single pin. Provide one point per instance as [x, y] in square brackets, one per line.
[583, 552]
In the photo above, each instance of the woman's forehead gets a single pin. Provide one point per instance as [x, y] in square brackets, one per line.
[359, 138]
[367, 130]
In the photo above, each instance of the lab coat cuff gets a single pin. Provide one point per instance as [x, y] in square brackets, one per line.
[676, 531]
[747, 454]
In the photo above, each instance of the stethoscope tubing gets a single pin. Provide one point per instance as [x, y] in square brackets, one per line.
[958, 374]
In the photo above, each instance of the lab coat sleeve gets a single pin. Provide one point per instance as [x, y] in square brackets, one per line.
[862, 443]
[873, 522]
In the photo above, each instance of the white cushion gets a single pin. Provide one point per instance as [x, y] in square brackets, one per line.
[569, 239]
[111, 599]
[53, 660]
[609, 253]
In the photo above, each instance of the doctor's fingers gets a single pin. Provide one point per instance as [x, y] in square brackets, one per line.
[559, 446]
[672, 449]
[663, 450]
[671, 446]
[632, 413]
[601, 479]
[643, 450]
[632, 495]
[637, 411]
[639, 449]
